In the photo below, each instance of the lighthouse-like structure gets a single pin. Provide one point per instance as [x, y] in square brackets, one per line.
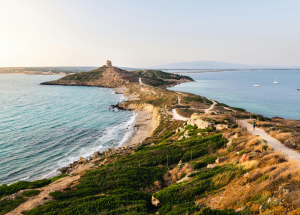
[108, 63]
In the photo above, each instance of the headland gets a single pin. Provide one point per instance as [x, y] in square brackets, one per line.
[206, 164]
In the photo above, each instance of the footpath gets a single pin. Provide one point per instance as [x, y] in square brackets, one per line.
[278, 146]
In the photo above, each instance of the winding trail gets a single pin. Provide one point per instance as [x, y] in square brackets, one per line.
[278, 146]
[211, 107]
[179, 100]
[177, 116]
[140, 80]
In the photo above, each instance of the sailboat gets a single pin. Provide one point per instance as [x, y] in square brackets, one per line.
[275, 82]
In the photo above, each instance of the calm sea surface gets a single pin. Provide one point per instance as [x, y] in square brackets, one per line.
[236, 89]
[43, 128]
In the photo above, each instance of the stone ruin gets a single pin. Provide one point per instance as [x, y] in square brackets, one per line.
[108, 63]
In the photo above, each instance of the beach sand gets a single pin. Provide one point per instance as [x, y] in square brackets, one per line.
[143, 126]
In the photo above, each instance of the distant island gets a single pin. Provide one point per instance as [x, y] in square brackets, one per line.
[188, 155]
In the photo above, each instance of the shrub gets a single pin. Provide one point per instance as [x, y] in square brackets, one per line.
[30, 193]
[8, 205]
[153, 156]
[58, 177]
[22, 185]
[205, 162]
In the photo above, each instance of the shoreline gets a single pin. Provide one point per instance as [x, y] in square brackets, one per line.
[143, 127]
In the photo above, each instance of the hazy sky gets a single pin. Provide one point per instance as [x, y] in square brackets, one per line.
[137, 33]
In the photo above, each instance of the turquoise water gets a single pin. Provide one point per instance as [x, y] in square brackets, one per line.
[235, 88]
[44, 127]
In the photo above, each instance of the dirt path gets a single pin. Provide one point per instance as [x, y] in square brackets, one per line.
[211, 107]
[179, 100]
[43, 197]
[278, 146]
[177, 116]
[140, 80]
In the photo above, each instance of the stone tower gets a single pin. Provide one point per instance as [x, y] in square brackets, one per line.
[108, 63]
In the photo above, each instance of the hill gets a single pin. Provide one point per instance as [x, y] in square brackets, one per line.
[114, 77]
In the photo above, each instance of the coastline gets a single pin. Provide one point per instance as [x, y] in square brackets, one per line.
[143, 127]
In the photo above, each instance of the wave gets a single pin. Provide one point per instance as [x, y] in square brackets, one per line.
[129, 133]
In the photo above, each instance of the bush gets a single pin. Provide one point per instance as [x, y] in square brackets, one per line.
[22, 185]
[205, 162]
[152, 156]
[30, 193]
[8, 205]
[58, 177]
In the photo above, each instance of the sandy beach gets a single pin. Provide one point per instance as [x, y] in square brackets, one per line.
[143, 127]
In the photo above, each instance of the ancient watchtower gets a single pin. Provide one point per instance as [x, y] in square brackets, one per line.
[108, 63]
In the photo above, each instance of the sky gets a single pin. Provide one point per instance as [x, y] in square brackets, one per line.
[137, 33]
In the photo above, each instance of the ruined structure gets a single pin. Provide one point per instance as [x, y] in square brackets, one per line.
[108, 63]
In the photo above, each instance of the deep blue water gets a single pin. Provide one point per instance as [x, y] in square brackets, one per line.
[235, 88]
[43, 128]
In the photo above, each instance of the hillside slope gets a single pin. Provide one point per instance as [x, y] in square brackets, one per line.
[114, 77]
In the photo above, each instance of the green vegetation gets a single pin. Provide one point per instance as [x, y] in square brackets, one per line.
[158, 78]
[22, 185]
[85, 76]
[30, 193]
[206, 180]
[8, 205]
[58, 177]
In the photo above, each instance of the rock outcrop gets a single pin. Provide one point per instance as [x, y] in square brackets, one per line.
[244, 158]
[220, 127]
[199, 122]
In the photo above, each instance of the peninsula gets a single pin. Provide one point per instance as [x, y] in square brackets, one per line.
[192, 156]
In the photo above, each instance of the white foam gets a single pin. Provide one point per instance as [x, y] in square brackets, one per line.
[51, 174]
[24, 179]
[129, 133]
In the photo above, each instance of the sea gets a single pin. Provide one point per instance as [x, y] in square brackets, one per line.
[235, 88]
[43, 127]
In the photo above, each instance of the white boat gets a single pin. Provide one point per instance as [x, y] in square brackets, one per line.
[256, 85]
[275, 82]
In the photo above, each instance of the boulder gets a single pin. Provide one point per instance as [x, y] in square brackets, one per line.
[275, 201]
[82, 160]
[180, 162]
[239, 209]
[96, 155]
[262, 207]
[236, 135]
[283, 190]
[221, 127]
[226, 135]
[221, 160]
[244, 158]
[199, 122]
[63, 170]
[155, 201]
[195, 116]
[186, 134]
[210, 166]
